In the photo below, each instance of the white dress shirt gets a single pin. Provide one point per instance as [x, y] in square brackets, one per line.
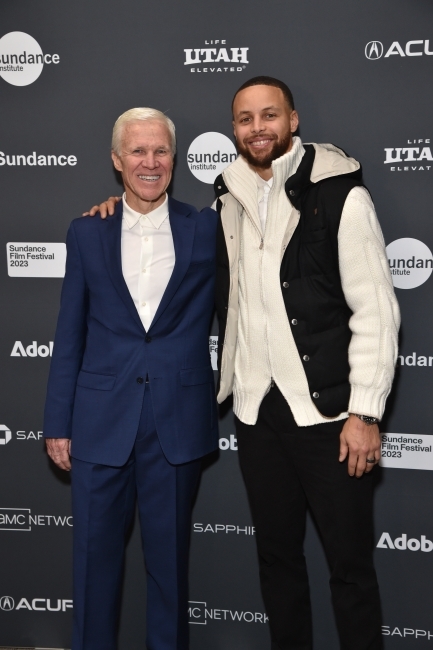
[263, 189]
[147, 257]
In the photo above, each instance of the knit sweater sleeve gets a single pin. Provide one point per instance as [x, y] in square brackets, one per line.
[369, 292]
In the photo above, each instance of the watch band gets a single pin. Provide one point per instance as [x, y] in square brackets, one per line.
[368, 419]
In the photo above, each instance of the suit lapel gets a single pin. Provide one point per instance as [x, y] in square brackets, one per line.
[183, 230]
[111, 235]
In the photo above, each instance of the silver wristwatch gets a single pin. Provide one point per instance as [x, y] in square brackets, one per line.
[367, 419]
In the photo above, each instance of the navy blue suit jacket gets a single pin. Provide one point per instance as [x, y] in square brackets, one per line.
[102, 352]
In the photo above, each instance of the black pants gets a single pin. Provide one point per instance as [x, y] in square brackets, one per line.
[286, 469]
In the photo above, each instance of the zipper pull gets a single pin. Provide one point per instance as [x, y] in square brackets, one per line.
[261, 244]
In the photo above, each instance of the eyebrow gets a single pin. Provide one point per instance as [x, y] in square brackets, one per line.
[268, 108]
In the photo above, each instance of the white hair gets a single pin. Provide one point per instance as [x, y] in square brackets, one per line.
[136, 114]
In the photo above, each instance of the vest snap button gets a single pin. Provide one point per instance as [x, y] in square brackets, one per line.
[306, 357]
[315, 395]
[294, 321]
[285, 285]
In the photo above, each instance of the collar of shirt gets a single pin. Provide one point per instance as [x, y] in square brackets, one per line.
[263, 187]
[156, 217]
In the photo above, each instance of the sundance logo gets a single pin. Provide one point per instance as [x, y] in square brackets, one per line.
[200, 614]
[407, 451]
[217, 57]
[414, 158]
[414, 359]
[36, 260]
[410, 261]
[21, 519]
[374, 49]
[213, 351]
[22, 59]
[209, 154]
[403, 543]
[37, 160]
[7, 604]
[32, 350]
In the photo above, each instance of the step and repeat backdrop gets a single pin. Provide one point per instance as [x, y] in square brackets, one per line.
[361, 75]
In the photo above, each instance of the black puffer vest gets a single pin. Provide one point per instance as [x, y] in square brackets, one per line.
[310, 283]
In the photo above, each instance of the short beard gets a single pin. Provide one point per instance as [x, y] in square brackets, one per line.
[279, 148]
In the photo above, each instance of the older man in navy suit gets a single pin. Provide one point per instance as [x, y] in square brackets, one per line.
[130, 404]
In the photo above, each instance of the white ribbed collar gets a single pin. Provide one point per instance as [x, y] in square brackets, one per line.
[156, 217]
[241, 180]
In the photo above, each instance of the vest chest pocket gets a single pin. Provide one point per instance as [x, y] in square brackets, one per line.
[315, 253]
[311, 236]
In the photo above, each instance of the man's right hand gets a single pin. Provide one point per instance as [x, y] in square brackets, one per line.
[59, 450]
[106, 208]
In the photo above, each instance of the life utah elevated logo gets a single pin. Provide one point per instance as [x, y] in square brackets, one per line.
[216, 55]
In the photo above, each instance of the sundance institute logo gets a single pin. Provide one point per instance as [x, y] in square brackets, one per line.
[209, 154]
[410, 261]
[22, 59]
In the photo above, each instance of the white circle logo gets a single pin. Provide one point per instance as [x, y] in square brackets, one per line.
[22, 59]
[410, 261]
[7, 603]
[209, 154]
[374, 50]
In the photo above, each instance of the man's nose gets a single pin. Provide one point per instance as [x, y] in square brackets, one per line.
[257, 125]
[150, 161]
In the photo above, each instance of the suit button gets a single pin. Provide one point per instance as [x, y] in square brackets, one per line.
[285, 285]
[148, 339]
[306, 357]
[292, 193]
[294, 321]
[140, 380]
[315, 395]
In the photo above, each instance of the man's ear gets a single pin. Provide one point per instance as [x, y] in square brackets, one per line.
[116, 161]
[294, 121]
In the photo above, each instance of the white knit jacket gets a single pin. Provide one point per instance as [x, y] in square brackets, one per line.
[259, 344]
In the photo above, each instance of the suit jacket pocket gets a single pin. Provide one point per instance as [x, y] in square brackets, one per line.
[95, 381]
[195, 376]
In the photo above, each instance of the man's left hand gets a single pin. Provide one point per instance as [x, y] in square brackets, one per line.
[359, 441]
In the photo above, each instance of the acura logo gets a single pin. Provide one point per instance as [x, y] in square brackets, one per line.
[7, 603]
[374, 50]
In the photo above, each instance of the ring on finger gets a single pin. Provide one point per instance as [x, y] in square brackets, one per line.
[371, 461]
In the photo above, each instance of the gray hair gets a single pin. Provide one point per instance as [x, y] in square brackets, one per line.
[136, 114]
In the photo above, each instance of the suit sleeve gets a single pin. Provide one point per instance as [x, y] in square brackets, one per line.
[69, 344]
[369, 292]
